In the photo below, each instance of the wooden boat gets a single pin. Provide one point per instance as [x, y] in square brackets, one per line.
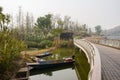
[51, 63]
[22, 74]
[43, 55]
[50, 70]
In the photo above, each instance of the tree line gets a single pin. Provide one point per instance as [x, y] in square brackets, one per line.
[46, 28]
[41, 32]
[17, 35]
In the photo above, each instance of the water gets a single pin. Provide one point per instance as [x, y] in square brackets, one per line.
[58, 74]
[81, 67]
[62, 73]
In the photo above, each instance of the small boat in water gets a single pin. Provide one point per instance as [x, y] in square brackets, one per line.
[43, 55]
[51, 63]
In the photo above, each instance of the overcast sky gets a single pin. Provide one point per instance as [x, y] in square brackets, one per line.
[91, 12]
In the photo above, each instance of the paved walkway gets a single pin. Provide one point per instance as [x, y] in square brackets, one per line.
[110, 62]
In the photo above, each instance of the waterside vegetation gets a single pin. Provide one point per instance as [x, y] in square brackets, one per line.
[19, 42]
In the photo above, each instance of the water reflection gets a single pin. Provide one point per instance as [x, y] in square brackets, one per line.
[81, 65]
[49, 72]
[59, 73]
[60, 54]
[63, 73]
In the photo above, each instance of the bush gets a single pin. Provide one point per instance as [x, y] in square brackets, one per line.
[32, 44]
[10, 48]
[42, 44]
[63, 43]
[45, 43]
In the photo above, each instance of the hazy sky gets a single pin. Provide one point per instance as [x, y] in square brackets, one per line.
[91, 12]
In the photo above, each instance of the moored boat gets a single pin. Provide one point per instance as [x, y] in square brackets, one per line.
[43, 55]
[50, 70]
[51, 63]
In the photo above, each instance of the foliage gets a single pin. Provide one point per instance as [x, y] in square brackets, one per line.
[98, 30]
[41, 44]
[43, 33]
[4, 19]
[60, 23]
[10, 47]
[63, 43]
[45, 43]
[48, 27]
[32, 44]
[56, 32]
[77, 37]
[44, 24]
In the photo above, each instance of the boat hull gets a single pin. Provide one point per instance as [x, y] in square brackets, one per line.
[50, 65]
[43, 55]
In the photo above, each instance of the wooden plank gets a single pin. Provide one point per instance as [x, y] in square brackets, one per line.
[25, 69]
[110, 61]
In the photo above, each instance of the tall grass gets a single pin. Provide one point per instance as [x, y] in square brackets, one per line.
[10, 48]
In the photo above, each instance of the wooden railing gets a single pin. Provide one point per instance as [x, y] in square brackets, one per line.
[93, 58]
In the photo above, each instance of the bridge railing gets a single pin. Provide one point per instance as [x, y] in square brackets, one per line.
[108, 42]
[93, 58]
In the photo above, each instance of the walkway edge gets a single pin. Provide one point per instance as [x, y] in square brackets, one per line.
[97, 65]
[93, 56]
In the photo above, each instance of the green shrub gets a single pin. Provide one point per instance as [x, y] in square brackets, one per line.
[42, 44]
[64, 44]
[10, 48]
[45, 43]
[32, 44]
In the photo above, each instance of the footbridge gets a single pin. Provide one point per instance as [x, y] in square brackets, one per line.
[104, 59]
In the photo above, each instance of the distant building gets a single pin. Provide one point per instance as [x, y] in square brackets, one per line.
[66, 35]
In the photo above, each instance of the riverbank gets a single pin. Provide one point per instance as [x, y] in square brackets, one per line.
[36, 51]
[28, 53]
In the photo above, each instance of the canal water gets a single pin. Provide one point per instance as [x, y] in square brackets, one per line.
[58, 74]
[62, 73]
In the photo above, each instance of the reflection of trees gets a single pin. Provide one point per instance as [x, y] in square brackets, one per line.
[60, 53]
[48, 73]
[81, 65]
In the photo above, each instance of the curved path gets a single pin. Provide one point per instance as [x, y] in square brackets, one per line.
[110, 62]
